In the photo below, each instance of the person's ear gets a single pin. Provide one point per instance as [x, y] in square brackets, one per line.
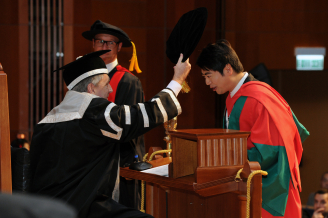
[227, 70]
[90, 88]
[119, 46]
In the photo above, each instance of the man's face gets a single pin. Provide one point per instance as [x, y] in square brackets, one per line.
[217, 82]
[102, 89]
[321, 201]
[112, 44]
[324, 181]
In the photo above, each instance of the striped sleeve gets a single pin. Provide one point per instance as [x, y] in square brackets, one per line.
[123, 123]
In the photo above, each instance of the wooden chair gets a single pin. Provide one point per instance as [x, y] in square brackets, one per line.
[5, 158]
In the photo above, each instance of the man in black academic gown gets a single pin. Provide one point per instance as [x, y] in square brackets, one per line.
[75, 148]
[127, 90]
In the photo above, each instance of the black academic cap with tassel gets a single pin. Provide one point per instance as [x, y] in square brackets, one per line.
[102, 27]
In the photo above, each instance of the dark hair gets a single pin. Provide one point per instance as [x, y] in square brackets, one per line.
[217, 55]
[321, 192]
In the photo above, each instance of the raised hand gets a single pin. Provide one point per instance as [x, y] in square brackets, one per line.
[181, 70]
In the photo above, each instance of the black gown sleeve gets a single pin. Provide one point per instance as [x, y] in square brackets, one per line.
[123, 123]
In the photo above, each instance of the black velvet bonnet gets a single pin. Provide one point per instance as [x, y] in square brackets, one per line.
[186, 34]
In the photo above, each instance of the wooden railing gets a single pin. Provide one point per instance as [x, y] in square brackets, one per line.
[5, 155]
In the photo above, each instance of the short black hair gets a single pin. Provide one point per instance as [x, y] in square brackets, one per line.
[321, 192]
[217, 55]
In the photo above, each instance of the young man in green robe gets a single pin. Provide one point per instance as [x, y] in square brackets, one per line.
[276, 135]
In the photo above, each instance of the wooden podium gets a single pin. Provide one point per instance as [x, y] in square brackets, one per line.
[201, 181]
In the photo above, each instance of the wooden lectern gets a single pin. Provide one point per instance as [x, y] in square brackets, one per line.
[201, 181]
[5, 158]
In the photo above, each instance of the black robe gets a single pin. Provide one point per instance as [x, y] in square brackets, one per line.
[127, 90]
[75, 149]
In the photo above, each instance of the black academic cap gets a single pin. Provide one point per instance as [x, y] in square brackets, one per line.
[186, 34]
[260, 72]
[102, 27]
[83, 67]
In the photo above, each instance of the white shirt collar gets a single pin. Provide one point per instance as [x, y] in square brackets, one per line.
[240, 83]
[111, 66]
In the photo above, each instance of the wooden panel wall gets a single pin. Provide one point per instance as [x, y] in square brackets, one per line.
[268, 31]
[14, 57]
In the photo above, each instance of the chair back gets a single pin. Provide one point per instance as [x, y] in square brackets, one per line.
[5, 155]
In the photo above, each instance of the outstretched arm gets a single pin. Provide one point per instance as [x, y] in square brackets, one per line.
[122, 123]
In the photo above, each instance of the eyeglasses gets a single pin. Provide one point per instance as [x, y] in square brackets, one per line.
[100, 43]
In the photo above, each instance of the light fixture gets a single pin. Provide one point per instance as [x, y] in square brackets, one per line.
[310, 58]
